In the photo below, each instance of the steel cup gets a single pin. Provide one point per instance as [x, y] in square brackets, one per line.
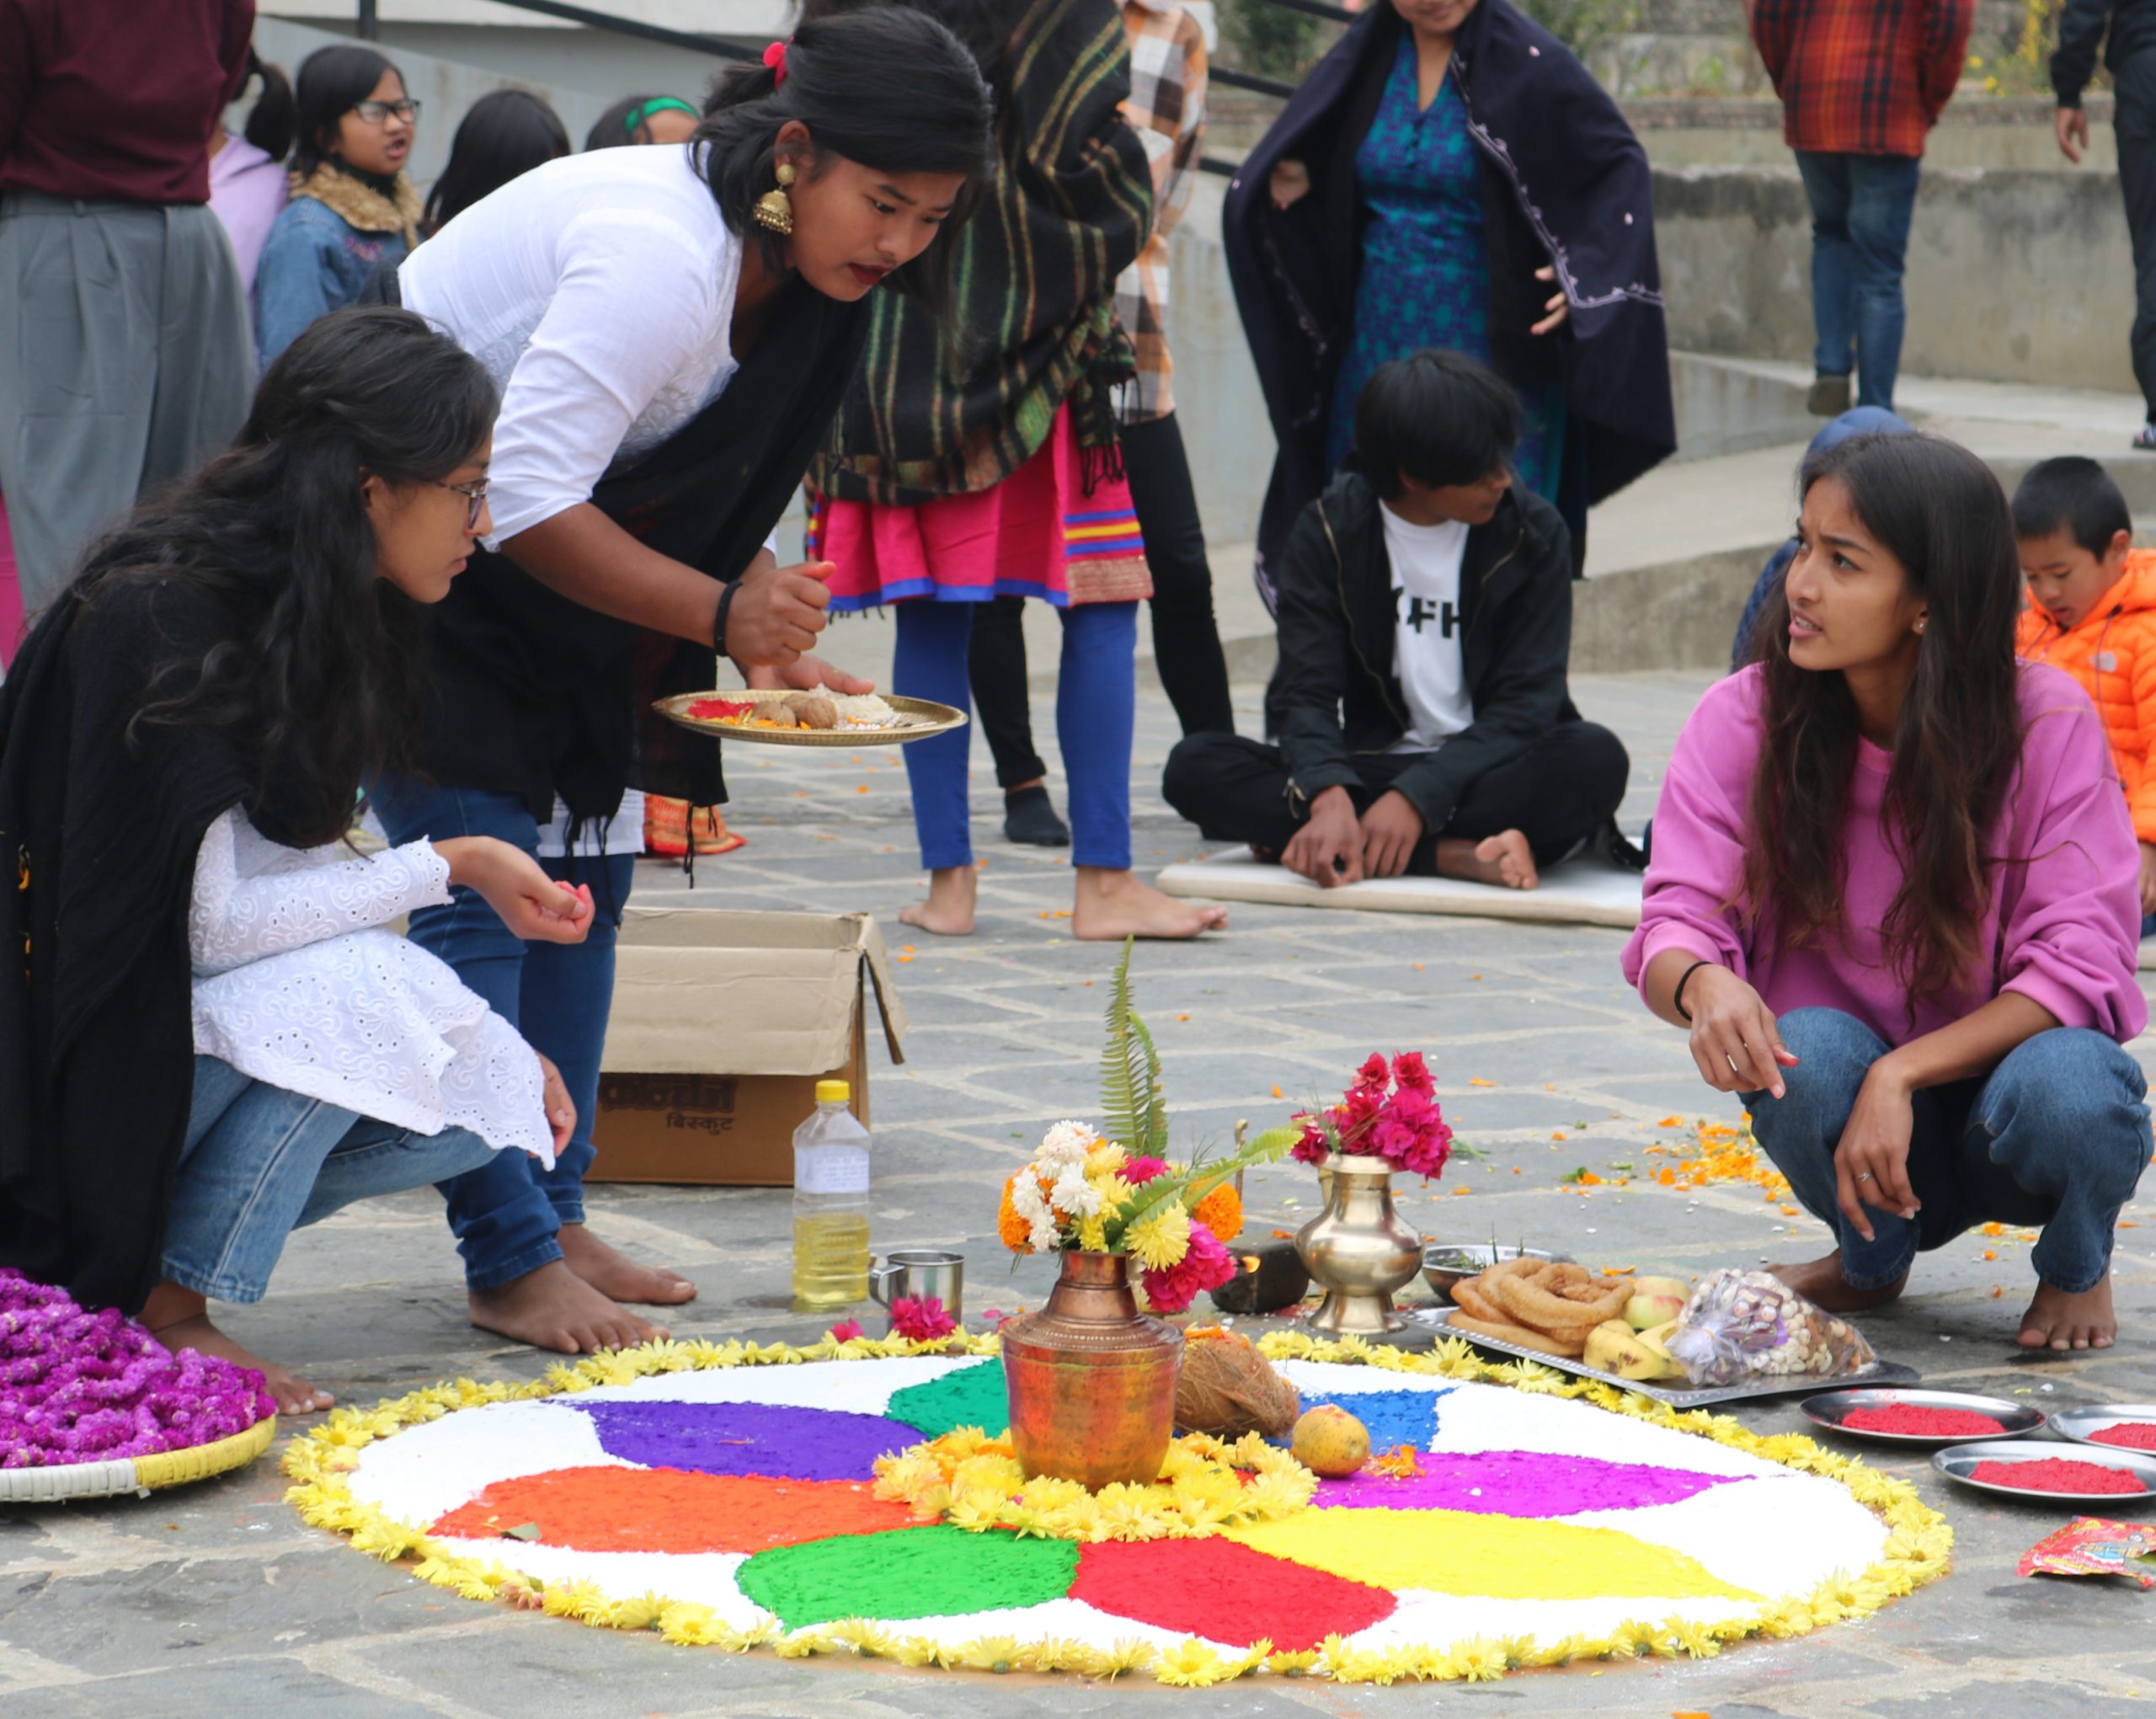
[917, 1274]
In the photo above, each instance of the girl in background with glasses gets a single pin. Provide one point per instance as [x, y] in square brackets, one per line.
[352, 208]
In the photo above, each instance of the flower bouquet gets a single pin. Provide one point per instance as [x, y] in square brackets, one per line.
[1091, 1380]
[1358, 1248]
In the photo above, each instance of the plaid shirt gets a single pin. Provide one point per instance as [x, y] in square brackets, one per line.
[1862, 76]
[1166, 109]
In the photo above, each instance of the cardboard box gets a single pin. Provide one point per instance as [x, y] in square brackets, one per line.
[723, 1023]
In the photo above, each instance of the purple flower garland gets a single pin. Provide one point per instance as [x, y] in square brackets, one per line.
[76, 1386]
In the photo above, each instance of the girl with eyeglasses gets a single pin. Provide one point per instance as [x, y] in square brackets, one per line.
[673, 330]
[352, 208]
[209, 1036]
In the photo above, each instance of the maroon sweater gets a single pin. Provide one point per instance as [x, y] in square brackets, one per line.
[111, 98]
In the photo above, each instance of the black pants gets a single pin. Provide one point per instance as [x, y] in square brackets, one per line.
[2135, 120]
[1556, 794]
[1186, 640]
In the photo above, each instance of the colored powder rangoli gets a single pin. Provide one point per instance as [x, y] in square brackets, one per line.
[726, 1501]
[2127, 1435]
[1517, 1483]
[1917, 1421]
[2056, 1475]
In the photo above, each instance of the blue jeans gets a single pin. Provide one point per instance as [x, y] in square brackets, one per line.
[259, 1162]
[2056, 1136]
[507, 1214]
[1096, 706]
[1862, 206]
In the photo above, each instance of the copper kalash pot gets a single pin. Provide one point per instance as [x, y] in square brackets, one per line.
[1092, 1379]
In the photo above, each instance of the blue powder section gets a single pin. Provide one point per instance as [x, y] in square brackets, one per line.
[1393, 1416]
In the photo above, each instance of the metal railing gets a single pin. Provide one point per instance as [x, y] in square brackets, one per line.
[369, 29]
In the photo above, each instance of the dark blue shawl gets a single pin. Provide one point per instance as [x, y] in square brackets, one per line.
[1565, 181]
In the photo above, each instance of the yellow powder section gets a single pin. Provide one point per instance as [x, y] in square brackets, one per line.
[1498, 1557]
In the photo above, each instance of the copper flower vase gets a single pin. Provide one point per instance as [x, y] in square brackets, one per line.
[1359, 1250]
[1092, 1379]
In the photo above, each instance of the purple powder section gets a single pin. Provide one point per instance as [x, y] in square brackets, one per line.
[1517, 1483]
[768, 1440]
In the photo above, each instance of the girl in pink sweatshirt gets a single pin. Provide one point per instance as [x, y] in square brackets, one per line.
[1892, 899]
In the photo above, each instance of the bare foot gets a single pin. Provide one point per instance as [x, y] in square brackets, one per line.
[614, 1274]
[1821, 1281]
[2057, 1320]
[1504, 859]
[1110, 906]
[949, 909]
[180, 1319]
[553, 1308]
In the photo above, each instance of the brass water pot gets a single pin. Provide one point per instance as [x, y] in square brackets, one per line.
[1092, 1379]
[1359, 1250]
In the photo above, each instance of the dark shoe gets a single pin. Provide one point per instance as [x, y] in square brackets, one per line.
[1609, 844]
[1829, 397]
[1029, 818]
[2144, 439]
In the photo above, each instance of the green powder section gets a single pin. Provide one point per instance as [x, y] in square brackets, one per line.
[968, 1396]
[912, 1572]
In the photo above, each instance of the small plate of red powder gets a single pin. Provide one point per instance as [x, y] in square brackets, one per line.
[2119, 1426]
[1928, 1417]
[2023, 1471]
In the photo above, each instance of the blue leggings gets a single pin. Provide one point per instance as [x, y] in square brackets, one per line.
[1095, 698]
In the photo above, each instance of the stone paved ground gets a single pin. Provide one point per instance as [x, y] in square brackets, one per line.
[216, 1601]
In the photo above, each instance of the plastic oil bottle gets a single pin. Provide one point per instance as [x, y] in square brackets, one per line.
[830, 1204]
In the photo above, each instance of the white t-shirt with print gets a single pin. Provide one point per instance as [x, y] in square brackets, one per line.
[1427, 628]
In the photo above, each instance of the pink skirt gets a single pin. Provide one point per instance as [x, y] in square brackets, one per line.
[1036, 533]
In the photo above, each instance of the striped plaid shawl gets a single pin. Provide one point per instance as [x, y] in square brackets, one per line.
[937, 412]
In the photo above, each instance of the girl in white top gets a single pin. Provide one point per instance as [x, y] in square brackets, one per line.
[266, 616]
[673, 330]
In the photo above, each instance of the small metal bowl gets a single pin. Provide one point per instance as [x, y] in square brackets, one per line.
[2082, 1424]
[1959, 1461]
[1832, 1409]
[1445, 1263]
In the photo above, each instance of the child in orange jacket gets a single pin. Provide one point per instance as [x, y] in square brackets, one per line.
[2092, 612]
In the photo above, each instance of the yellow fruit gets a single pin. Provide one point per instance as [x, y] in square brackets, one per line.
[1613, 1347]
[1328, 1440]
[1656, 1301]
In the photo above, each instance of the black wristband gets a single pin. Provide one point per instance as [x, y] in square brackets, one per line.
[1677, 996]
[718, 620]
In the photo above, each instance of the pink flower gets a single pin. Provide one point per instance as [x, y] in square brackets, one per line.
[921, 1321]
[846, 1330]
[1410, 1074]
[1140, 1170]
[1205, 1265]
[1311, 1149]
[1372, 1076]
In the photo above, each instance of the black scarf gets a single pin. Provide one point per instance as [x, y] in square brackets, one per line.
[536, 696]
[1564, 181]
[99, 830]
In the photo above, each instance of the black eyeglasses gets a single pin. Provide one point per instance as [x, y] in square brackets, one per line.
[475, 495]
[375, 112]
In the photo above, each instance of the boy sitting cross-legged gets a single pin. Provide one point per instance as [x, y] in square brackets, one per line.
[1421, 706]
[2092, 612]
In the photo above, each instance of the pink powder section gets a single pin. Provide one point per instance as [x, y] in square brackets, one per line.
[1517, 1483]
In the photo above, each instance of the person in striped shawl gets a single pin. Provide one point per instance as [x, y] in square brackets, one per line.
[980, 458]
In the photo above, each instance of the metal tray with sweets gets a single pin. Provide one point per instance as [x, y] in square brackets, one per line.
[919, 719]
[1439, 1320]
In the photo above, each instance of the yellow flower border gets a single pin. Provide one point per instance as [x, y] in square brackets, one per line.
[1918, 1547]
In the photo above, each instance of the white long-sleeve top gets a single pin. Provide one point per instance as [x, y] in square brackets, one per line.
[598, 290]
[297, 983]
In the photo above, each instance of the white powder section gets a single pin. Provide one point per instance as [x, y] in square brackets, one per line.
[1492, 1418]
[1335, 1379]
[427, 1469]
[856, 1387]
[702, 1578]
[1781, 1537]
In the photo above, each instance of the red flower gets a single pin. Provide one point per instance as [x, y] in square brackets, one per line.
[921, 1321]
[1205, 1265]
[1140, 1170]
[846, 1330]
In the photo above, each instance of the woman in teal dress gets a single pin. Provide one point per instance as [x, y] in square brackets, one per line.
[1425, 280]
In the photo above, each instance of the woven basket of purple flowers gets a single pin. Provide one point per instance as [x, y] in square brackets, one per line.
[92, 1405]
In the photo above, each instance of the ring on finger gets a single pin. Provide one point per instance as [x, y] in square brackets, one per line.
[1864, 1176]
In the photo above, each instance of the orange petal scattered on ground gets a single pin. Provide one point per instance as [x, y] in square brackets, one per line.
[1460, 1189]
[1718, 1153]
[1991, 1230]
[1671, 1121]
[1618, 1271]
[1991, 1253]
[1275, 1092]
[1477, 1080]
[1997, 1290]
[1182, 1017]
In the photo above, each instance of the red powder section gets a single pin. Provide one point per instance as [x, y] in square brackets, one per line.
[2054, 1475]
[1916, 1421]
[1225, 1592]
[2127, 1435]
[710, 709]
[670, 1510]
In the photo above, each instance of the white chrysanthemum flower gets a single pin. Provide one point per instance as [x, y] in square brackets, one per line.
[1065, 1143]
[1030, 1203]
[1073, 1195]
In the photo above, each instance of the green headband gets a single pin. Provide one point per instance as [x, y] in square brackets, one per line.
[657, 104]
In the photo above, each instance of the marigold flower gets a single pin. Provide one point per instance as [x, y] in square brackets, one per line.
[1010, 1226]
[1221, 1211]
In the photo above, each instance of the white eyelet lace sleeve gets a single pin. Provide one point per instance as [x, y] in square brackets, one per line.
[254, 898]
[297, 985]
